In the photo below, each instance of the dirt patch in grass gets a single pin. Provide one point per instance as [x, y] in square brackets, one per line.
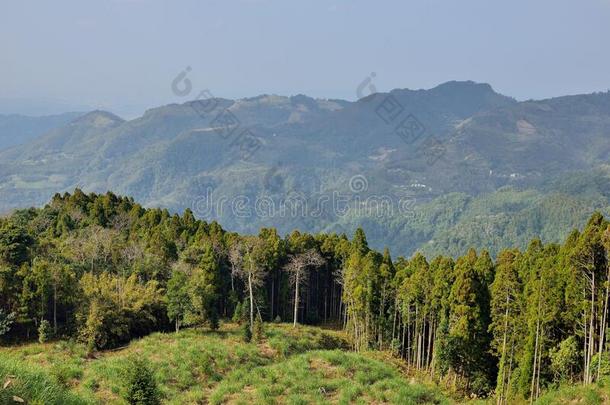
[267, 351]
[248, 391]
[323, 367]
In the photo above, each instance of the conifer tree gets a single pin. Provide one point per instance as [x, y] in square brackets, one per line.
[506, 305]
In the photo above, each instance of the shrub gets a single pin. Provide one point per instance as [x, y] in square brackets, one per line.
[64, 373]
[277, 319]
[44, 331]
[604, 367]
[237, 314]
[259, 330]
[141, 384]
[6, 320]
[564, 359]
[213, 319]
[247, 333]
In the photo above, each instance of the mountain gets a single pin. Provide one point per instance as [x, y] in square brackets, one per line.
[17, 129]
[419, 169]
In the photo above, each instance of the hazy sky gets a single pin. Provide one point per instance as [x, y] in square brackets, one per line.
[120, 53]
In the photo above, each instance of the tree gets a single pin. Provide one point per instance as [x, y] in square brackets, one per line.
[92, 333]
[14, 244]
[178, 298]
[274, 251]
[203, 283]
[298, 267]
[246, 258]
[105, 269]
[543, 295]
[109, 316]
[36, 288]
[506, 292]
[415, 294]
[468, 337]
[590, 259]
[384, 284]
[358, 279]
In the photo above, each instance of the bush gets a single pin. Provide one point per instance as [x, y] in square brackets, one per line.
[604, 367]
[6, 320]
[141, 384]
[259, 330]
[213, 319]
[247, 333]
[64, 373]
[564, 359]
[237, 314]
[44, 331]
[277, 319]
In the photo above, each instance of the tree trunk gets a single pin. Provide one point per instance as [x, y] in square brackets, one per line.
[535, 363]
[585, 343]
[55, 309]
[251, 300]
[539, 365]
[591, 325]
[602, 335]
[503, 356]
[429, 351]
[296, 300]
[510, 369]
[272, 296]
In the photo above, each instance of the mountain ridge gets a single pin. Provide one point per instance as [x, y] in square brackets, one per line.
[481, 142]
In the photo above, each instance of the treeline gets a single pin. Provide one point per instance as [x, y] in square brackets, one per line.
[102, 269]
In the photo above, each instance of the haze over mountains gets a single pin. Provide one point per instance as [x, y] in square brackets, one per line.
[473, 167]
[16, 129]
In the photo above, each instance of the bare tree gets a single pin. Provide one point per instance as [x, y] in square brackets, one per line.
[297, 267]
[246, 261]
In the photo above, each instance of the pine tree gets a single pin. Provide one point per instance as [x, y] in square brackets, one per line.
[141, 384]
[506, 294]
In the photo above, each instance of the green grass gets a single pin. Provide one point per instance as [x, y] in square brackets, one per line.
[306, 365]
[19, 381]
[318, 377]
[199, 366]
[594, 394]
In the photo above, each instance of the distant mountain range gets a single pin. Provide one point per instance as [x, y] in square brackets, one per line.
[16, 129]
[434, 170]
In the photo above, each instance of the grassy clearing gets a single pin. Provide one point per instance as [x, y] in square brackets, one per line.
[306, 365]
[320, 377]
[193, 365]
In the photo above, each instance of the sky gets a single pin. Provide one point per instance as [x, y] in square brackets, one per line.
[123, 55]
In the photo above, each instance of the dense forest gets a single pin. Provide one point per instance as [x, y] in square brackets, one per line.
[104, 270]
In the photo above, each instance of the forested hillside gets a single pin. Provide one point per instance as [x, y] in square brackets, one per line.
[104, 270]
[469, 161]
